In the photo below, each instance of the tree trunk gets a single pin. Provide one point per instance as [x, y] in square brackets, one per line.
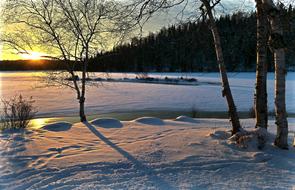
[278, 46]
[260, 101]
[83, 92]
[280, 104]
[226, 92]
[82, 109]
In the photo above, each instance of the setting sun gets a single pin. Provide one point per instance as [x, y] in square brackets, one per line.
[32, 55]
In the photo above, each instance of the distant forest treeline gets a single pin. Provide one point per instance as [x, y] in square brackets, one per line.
[28, 65]
[186, 47]
[189, 47]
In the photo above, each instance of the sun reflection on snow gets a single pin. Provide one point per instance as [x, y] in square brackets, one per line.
[39, 123]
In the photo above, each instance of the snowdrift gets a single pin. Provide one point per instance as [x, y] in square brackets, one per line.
[150, 121]
[58, 126]
[107, 123]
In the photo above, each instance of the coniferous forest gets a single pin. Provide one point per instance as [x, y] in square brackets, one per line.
[188, 47]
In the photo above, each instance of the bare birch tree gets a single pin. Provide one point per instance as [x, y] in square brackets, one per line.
[69, 30]
[260, 96]
[260, 102]
[277, 45]
[208, 6]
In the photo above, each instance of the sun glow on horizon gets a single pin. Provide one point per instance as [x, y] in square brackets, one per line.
[32, 55]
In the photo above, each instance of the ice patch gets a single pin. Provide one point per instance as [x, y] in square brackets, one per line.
[150, 121]
[58, 126]
[184, 118]
[107, 123]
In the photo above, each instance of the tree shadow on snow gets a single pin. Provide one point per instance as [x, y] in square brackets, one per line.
[146, 171]
[12, 144]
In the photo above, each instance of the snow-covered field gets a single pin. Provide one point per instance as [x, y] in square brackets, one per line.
[147, 153]
[124, 97]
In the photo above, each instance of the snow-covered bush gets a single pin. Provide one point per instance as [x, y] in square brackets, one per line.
[142, 75]
[17, 112]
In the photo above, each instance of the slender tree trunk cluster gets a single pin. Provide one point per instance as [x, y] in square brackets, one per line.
[269, 14]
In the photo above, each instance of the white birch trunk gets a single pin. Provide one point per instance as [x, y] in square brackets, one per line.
[260, 103]
[277, 44]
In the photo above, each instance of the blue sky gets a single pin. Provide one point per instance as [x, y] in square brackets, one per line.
[167, 18]
[228, 6]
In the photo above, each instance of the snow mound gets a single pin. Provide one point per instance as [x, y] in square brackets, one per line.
[184, 118]
[107, 123]
[58, 126]
[219, 135]
[261, 157]
[150, 121]
[251, 139]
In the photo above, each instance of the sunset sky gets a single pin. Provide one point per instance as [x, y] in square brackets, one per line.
[157, 22]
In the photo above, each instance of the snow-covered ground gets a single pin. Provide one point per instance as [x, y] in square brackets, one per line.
[147, 153]
[124, 97]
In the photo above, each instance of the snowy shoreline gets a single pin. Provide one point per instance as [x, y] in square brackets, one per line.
[186, 81]
[43, 119]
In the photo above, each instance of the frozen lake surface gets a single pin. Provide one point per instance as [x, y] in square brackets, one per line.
[126, 97]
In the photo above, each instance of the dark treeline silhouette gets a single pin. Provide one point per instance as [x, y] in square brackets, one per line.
[189, 47]
[33, 65]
